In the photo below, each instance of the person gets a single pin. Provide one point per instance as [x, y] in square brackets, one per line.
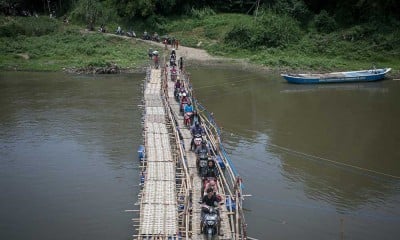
[209, 174]
[196, 129]
[156, 61]
[177, 89]
[150, 52]
[213, 186]
[187, 114]
[173, 42]
[155, 37]
[184, 100]
[146, 35]
[180, 63]
[202, 152]
[177, 43]
[195, 118]
[165, 44]
[209, 200]
[119, 30]
[174, 73]
[203, 148]
[211, 170]
[178, 84]
[102, 28]
[188, 108]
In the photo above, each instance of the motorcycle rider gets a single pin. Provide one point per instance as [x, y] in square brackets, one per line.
[203, 148]
[202, 152]
[146, 35]
[196, 129]
[187, 113]
[119, 30]
[210, 174]
[196, 118]
[209, 200]
[178, 84]
[211, 170]
[174, 73]
[184, 100]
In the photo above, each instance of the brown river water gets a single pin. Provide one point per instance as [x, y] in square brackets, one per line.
[320, 161]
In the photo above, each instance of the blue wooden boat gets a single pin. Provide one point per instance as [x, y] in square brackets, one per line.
[338, 77]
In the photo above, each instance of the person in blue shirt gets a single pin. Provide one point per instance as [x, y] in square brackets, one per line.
[188, 112]
[188, 108]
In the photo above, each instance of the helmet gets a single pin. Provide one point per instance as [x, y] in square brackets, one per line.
[212, 183]
[184, 94]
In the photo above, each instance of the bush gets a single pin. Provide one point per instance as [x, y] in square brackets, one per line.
[269, 30]
[29, 26]
[324, 23]
[295, 8]
[201, 13]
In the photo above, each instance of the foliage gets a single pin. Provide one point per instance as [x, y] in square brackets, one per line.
[201, 13]
[69, 48]
[87, 11]
[28, 26]
[324, 23]
[295, 8]
[269, 30]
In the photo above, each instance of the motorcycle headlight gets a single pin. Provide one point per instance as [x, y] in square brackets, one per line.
[211, 217]
[203, 163]
[210, 222]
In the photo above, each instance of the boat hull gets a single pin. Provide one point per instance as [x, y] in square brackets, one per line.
[339, 77]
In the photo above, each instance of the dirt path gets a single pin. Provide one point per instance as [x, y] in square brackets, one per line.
[188, 53]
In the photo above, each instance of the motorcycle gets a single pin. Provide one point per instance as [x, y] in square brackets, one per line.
[131, 34]
[184, 102]
[210, 221]
[187, 119]
[174, 74]
[197, 139]
[202, 162]
[102, 29]
[146, 37]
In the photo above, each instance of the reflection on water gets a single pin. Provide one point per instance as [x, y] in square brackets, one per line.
[366, 86]
[312, 157]
[68, 154]
[67, 149]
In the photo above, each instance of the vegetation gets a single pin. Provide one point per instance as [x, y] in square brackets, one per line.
[341, 34]
[36, 46]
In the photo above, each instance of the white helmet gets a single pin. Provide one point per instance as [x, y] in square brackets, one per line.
[184, 94]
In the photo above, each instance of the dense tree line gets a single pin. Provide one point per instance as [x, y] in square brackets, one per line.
[344, 11]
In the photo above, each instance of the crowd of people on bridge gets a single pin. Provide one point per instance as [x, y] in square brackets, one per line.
[208, 169]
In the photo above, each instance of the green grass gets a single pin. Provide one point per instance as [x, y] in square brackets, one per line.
[48, 45]
[358, 47]
[69, 47]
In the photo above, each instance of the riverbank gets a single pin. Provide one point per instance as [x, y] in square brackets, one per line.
[71, 49]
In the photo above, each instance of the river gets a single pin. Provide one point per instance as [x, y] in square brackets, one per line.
[321, 161]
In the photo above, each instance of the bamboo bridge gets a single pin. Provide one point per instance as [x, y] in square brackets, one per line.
[169, 207]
